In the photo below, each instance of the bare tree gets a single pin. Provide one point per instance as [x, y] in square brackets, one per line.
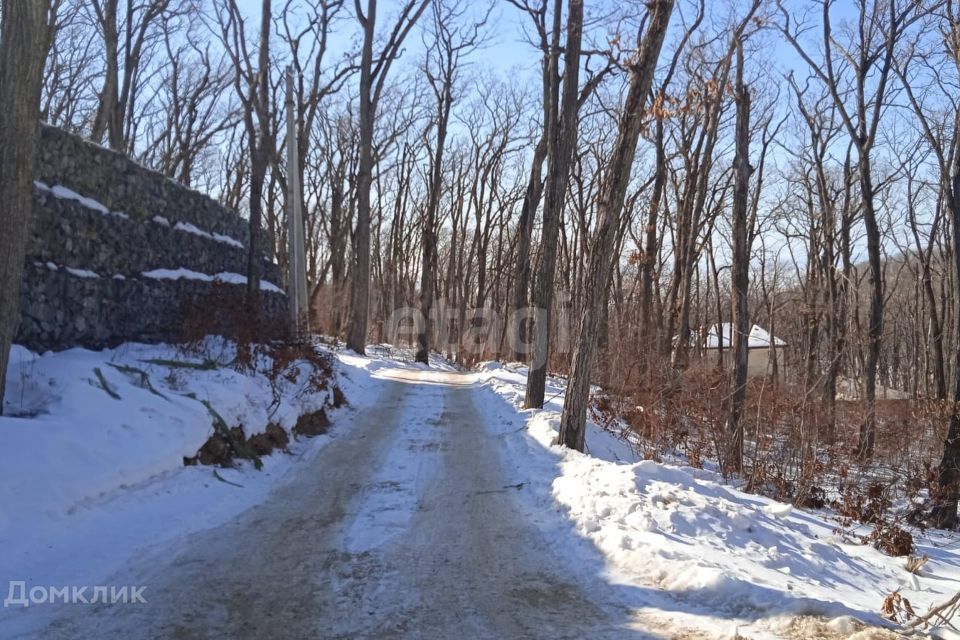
[24, 29]
[129, 33]
[537, 11]
[740, 271]
[72, 68]
[450, 42]
[870, 60]
[697, 205]
[373, 75]
[251, 82]
[195, 108]
[651, 245]
[609, 209]
[560, 131]
[946, 149]
[317, 79]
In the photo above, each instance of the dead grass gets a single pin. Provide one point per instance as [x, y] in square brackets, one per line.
[795, 450]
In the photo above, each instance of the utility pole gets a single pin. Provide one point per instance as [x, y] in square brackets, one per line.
[296, 254]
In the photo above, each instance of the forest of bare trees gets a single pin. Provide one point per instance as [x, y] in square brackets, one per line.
[635, 174]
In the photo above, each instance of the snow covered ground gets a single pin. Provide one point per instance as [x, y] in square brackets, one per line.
[90, 483]
[91, 465]
[719, 560]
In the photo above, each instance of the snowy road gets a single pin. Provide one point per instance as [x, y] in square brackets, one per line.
[406, 525]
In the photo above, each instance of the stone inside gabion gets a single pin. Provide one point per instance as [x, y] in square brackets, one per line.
[100, 222]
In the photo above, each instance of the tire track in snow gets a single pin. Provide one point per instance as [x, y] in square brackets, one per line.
[405, 525]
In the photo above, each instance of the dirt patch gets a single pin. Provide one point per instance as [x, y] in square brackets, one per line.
[273, 437]
[311, 424]
[216, 451]
[224, 446]
[221, 449]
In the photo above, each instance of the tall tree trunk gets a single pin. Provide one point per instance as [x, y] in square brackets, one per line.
[868, 429]
[372, 79]
[109, 99]
[733, 458]
[650, 252]
[944, 512]
[429, 266]
[259, 150]
[528, 214]
[936, 334]
[23, 47]
[609, 207]
[360, 289]
[839, 302]
[560, 145]
[835, 347]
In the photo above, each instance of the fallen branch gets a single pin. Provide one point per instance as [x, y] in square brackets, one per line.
[950, 606]
[104, 384]
[139, 376]
[224, 480]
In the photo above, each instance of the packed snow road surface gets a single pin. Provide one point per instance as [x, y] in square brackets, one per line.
[405, 525]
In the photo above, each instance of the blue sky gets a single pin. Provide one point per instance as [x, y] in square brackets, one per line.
[505, 51]
[508, 53]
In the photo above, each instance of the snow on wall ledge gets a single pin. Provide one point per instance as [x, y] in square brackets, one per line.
[101, 222]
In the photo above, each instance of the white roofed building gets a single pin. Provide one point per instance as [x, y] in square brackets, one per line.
[759, 343]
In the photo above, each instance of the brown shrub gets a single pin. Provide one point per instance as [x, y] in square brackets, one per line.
[797, 447]
[891, 540]
[225, 312]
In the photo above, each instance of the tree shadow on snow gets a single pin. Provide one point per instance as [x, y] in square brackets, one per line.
[634, 610]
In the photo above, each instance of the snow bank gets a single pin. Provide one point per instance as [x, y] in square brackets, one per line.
[91, 467]
[737, 563]
[79, 424]
[87, 481]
